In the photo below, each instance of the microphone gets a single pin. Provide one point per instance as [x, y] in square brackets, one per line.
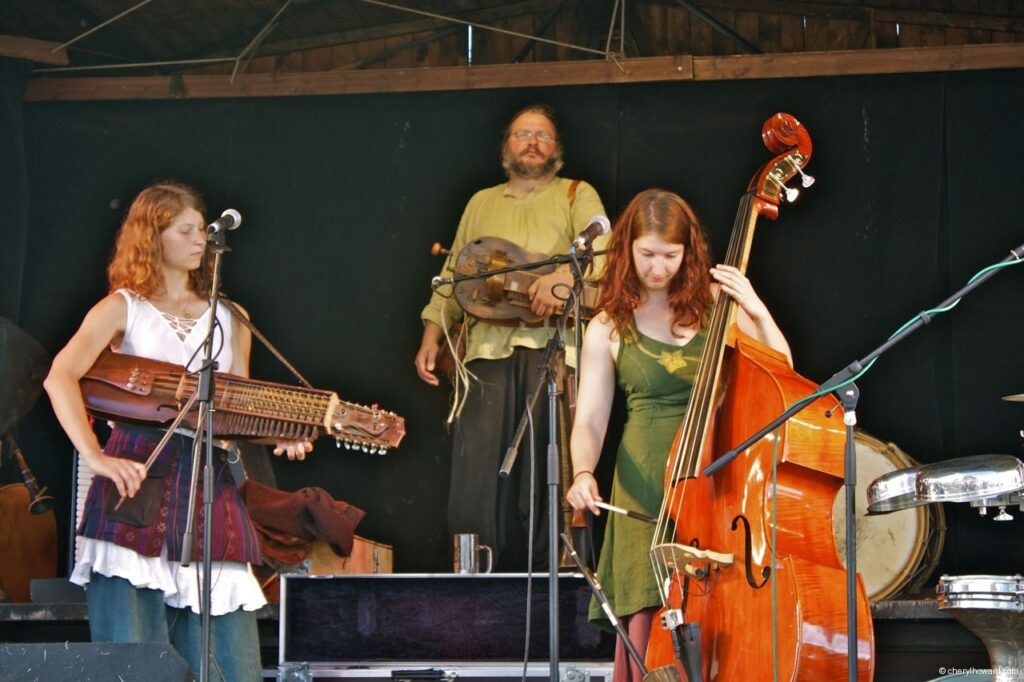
[229, 220]
[598, 226]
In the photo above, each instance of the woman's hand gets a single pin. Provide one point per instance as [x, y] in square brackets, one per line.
[295, 449]
[127, 474]
[754, 318]
[735, 284]
[583, 493]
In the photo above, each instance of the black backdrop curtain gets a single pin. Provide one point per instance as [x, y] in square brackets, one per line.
[342, 196]
[21, 367]
[14, 181]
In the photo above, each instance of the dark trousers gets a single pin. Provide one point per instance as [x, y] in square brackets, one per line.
[479, 501]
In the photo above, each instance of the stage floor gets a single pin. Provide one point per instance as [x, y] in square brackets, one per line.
[914, 640]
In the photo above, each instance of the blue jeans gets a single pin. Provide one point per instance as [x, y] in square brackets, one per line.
[120, 612]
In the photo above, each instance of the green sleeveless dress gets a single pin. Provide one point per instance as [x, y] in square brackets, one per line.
[657, 379]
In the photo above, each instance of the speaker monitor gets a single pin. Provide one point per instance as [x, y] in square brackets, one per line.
[140, 662]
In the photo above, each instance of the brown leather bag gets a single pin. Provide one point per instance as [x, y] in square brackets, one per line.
[139, 510]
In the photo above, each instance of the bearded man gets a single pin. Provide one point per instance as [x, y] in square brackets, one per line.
[542, 213]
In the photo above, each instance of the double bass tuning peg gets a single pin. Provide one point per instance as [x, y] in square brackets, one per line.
[436, 249]
[805, 181]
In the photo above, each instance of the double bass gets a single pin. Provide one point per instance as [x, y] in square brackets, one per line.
[751, 582]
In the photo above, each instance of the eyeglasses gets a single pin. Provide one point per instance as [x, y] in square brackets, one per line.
[541, 135]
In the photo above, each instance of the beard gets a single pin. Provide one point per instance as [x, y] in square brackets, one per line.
[530, 169]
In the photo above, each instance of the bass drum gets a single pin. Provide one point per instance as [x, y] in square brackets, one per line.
[897, 552]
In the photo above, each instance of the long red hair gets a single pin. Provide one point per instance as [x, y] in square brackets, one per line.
[667, 215]
[135, 263]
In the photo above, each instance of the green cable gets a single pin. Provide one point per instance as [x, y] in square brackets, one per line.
[775, 603]
[806, 401]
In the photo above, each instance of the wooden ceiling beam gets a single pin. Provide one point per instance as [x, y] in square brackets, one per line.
[39, 51]
[865, 12]
[860, 62]
[538, 74]
[339, 82]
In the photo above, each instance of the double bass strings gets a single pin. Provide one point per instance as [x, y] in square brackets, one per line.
[684, 460]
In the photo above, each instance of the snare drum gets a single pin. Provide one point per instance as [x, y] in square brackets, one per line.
[992, 607]
[896, 552]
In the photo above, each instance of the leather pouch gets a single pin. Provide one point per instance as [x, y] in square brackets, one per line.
[139, 510]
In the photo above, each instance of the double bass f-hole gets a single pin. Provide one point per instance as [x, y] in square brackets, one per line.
[766, 572]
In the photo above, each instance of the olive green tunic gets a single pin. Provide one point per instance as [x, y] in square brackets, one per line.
[657, 379]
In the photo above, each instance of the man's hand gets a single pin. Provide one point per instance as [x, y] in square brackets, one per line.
[549, 292]
[426, 357]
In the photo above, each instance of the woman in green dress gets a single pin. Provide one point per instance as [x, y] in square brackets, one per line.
[656, 293]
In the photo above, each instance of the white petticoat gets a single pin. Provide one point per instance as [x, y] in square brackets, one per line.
[234, 585]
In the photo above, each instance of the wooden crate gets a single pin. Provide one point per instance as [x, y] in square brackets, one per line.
[367, 558]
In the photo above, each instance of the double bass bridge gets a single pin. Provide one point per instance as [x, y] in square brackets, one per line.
[693, 561]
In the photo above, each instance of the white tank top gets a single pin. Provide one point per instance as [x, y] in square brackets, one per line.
[150, 333]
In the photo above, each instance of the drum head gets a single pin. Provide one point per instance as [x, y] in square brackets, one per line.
[894, 551]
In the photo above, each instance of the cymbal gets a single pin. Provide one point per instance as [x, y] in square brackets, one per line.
[1019, 398]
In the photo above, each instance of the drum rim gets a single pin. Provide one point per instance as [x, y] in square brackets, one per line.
[931, 528]
[994, 584]
[980, 591]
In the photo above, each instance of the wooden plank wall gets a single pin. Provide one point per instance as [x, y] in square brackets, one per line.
[664, 27]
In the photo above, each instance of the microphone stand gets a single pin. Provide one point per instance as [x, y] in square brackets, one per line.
[606, 606]
[554, 352]
[204, 436]
[848, 394]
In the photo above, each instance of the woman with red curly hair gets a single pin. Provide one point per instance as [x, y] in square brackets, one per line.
[657, 291]
[128, 559]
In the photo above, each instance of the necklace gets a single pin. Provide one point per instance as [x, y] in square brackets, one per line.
[184, 310]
